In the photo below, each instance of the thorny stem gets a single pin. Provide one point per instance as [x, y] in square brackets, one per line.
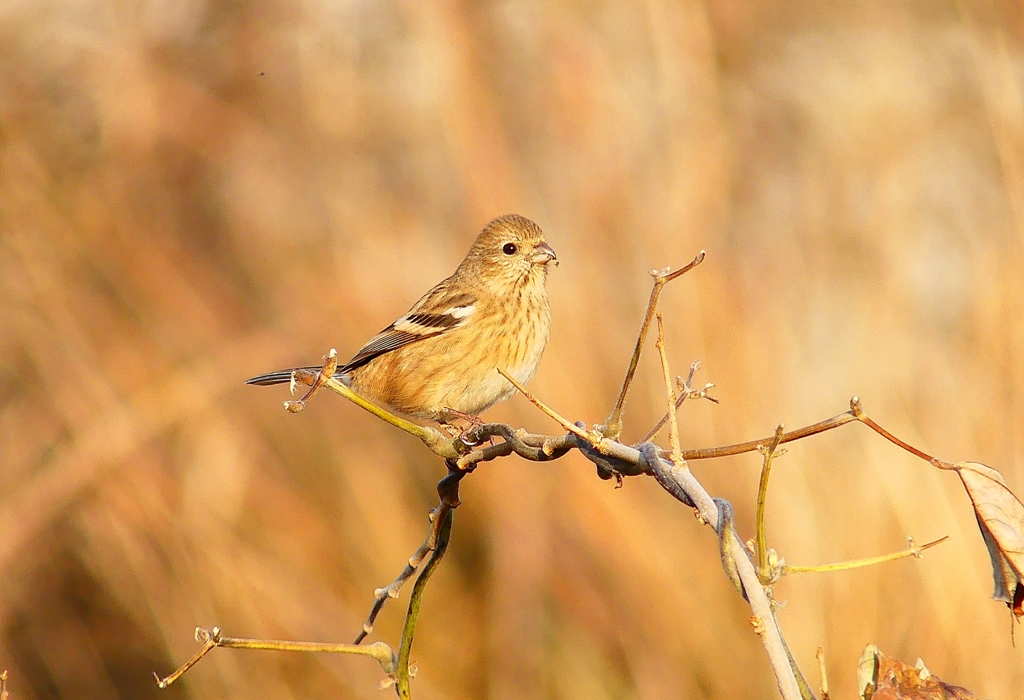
[613, 426]
[763, 570]
[911, 551]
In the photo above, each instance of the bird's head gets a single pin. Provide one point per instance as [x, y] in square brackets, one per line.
[509, 252]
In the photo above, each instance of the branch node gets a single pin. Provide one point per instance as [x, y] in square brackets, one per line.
[757, 623]
[612, 427]
[855, 408]
[820, 656]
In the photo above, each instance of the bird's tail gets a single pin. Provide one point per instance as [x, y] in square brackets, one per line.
[283, 376]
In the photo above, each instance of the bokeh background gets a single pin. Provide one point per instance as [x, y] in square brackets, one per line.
[196, 191]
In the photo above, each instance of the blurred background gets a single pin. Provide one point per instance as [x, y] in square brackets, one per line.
[196, 191]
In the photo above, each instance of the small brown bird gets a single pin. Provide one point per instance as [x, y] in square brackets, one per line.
[440, 360]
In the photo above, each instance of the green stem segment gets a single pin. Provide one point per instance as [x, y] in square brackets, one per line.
[405, 647]
[763, 571]
[913, 551]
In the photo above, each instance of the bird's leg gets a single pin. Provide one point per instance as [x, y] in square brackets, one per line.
[450, 414]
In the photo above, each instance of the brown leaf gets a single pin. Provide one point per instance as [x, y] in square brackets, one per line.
[882, 677]
[1001, 519]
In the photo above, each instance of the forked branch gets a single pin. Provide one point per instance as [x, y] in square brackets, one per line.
[612, 428]
[212, 638]
[600, 444]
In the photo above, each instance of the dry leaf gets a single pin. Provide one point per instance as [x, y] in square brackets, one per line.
[1001, 519]
[881, 677]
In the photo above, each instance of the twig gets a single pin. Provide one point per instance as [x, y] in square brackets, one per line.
[623, 460]
[911, 551]
[536, 448]
[858, 412]
[212, 638]
[436, 442]
[764, 620]
[550, 412]
[448, 494]
[686, 392]
[405, 672]
[613, 426]
[326, 372]
[822, 672]
[601, 446]
[737, 567]
[673, 423]
[764, 572]
[382, 595]
[751, 445]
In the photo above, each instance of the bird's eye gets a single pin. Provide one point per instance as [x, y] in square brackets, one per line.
[509, 248]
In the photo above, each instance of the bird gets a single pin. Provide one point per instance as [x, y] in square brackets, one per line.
[439, 361]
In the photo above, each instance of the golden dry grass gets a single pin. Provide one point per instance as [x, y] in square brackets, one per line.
[193, 192]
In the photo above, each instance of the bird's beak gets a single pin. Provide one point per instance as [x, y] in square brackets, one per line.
[543, 254]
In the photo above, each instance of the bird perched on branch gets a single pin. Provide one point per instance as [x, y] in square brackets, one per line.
[440, 360]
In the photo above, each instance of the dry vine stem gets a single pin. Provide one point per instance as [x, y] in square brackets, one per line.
[600, 444]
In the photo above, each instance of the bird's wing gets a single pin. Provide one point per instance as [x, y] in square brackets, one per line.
[440, 311]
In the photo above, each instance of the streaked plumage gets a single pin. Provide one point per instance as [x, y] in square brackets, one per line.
[440, 359]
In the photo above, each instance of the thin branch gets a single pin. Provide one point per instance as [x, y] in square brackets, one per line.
[382, 595]
[404, 671]
[326, 372]
[686, 392]
[751, 445]
[536, 448]
[737, 567]
[858, 412]
[210, 639]
[822, 672]
[676, 478]
[613, 426]
[448, 494]
[550, 412]
[673, 423]
[611, 457]
[911, 551]
[205, 638]
[436, 442]
[764, 572]
[764, 620]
